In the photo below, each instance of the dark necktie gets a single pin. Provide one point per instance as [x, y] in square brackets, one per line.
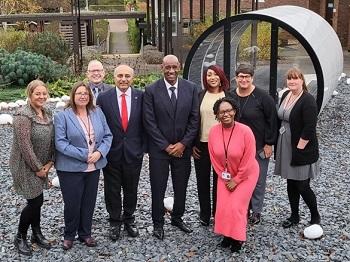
[173, 96]
[124, 113]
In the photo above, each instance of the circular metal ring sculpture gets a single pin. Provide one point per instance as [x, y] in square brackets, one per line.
[220, 44]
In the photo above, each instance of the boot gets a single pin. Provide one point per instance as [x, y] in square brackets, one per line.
[21, 244]
[39, 239]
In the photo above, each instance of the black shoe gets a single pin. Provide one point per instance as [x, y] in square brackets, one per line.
[21, 244]
[67, 244]
[235, 246]
[88, 241]
[131, 228]
[204, 222]
[39, 239]
[315, 220]
[255, 218]
[114, 232]
[158, 232]
[181, 225]
[289, 222]
[226, 242]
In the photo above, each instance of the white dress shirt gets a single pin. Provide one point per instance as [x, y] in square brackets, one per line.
[168, 87]
[127, 98]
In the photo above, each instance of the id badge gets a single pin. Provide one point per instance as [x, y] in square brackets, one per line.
[226, 175]
[282, 130]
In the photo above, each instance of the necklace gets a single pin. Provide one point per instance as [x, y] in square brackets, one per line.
[288, 104]
[228, 143]
[87, 127]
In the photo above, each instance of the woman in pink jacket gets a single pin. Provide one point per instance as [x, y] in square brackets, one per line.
[232, 153]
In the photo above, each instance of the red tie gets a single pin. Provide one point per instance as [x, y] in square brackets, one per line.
[124, 113]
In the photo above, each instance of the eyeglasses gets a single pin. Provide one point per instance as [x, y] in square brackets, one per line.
[81, 94]
[95, 71]
[228, 111]
[241, 77]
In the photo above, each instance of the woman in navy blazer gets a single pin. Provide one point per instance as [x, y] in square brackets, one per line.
[82, 139]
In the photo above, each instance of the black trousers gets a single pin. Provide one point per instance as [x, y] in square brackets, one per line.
[30, 214]
[159, 173]
[79, 191]
[203, 173]
[124, 176]
[301, 188]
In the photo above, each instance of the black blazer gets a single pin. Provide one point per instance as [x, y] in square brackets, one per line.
[126, 146]
[163, 125]
[302, 121]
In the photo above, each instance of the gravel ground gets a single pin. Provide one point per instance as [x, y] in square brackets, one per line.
[267, 241]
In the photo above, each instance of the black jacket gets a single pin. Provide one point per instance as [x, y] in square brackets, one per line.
[302, 121]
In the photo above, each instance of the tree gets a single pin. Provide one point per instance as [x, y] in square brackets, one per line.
[19, 6]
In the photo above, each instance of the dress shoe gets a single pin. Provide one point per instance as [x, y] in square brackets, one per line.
[38, 238]
[88, 241]
[315, 220]
[255, 218]
[131, 228]
[204, 222]
[289, 222]
[236, 245]
[21, 244]
[114, 232]
[67, 244]
[181, 225]
[226, 242]
[158, 232]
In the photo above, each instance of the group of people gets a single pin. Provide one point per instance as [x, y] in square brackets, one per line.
[229, 133]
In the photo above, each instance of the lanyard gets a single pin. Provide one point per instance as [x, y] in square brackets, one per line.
[228, 143]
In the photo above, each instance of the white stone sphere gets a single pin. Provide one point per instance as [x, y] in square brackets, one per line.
[60, 105]
[6, 119]
[314, 231]
[169, 203]
[13, 105]
[21, 102]
[65, 98]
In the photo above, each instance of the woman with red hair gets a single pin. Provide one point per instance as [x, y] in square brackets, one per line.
[215, 86]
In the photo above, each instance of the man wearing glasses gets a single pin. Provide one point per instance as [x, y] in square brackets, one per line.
[258, 111]
[95, 74]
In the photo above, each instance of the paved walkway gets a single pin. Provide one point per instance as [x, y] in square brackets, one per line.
[118, 39]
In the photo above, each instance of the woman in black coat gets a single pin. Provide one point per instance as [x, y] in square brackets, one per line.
[215, 86]
[297, 147]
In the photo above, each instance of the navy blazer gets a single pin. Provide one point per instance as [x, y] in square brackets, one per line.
[71, 144]
[163, 125]
[126, 146]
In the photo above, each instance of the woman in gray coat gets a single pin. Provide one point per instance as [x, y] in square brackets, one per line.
[31, 159]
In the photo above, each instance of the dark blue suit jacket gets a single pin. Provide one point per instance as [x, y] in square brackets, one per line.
[126, 146]
[163, 125]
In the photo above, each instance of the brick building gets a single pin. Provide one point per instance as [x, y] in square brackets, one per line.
[336, 12]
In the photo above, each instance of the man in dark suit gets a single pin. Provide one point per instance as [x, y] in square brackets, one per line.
[122, 107]
[96, 74]
[171, 121]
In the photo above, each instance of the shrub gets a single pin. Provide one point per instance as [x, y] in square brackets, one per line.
[151, 55]
[10, 39]
[134, 36]
[49, 44]
[263, 42]
[21, 67]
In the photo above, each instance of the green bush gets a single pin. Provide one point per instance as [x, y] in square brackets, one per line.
[100, 29]
[134, 36]
[48, 44]
[10, 39]
[21, 67]
[263, 42]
